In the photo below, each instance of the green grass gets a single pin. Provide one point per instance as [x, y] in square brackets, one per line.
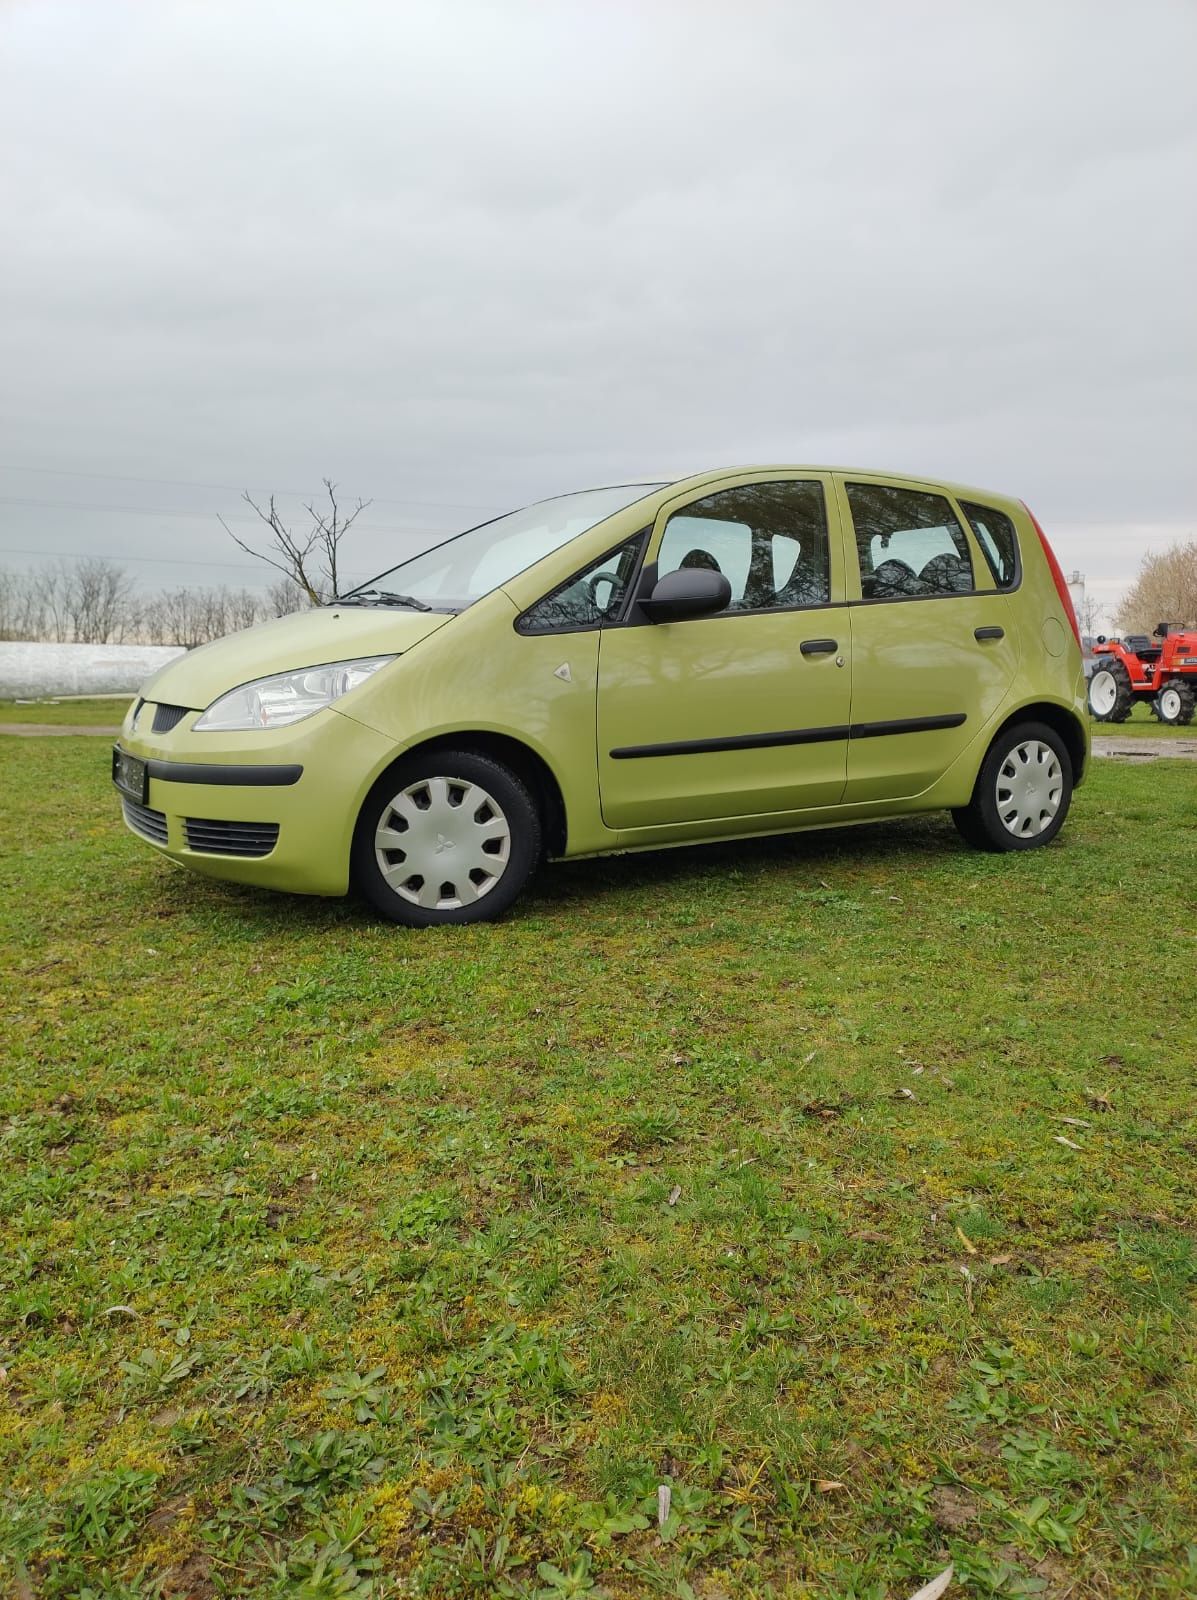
[102, 713]
[1141, 724]
[342, 1260]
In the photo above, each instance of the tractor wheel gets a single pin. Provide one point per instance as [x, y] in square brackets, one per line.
[1111, 698]
[1174, 703]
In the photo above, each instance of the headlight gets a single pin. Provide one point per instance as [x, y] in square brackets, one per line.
[287, 697]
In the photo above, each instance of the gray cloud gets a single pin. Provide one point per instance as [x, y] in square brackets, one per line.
[464, 256]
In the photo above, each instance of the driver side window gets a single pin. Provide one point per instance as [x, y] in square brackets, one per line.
[910, 544]
[769, 540]
[590, 598]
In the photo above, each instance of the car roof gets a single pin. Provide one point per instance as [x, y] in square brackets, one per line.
[961, 491]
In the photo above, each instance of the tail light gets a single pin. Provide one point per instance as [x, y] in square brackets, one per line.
[1057, 575]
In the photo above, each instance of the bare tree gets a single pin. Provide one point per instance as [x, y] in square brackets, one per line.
[1088, 616]
[98, 602]
[193, 616]
[285, 597]
[1165, 590]
[307, 559]
[22, 611]
[94, 602]
[51, 599]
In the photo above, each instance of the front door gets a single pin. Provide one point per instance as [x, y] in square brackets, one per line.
[744, 713]
[934, 651]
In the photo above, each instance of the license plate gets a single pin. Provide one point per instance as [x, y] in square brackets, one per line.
[131, 775]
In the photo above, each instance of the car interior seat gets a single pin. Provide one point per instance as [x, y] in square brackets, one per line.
[702, 559]
[947, 574]
[893, 579]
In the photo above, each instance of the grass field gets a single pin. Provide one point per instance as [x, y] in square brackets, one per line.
[1142, 724]
[104, 713]
[843, 1184]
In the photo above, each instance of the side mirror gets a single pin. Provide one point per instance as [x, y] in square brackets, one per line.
[688, 592]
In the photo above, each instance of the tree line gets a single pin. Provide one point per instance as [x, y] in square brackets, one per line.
[93, 600]
[96, 601]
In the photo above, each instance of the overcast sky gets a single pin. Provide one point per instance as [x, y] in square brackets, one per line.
[461, 256]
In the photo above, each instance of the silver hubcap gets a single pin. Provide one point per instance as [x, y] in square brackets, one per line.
[1030, 787]
[1169, 705]
[1103, 691]
[442, 843]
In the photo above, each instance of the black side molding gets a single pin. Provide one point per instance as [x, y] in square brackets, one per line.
[879, 730]
[237, 777]
[735, 741]
[768, 741]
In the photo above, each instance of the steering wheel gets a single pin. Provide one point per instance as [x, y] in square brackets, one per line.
[592, 590]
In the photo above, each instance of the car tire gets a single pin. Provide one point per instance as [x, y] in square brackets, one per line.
[1111, 698]
[1022, 793]
[1173, 706]
[446, 837]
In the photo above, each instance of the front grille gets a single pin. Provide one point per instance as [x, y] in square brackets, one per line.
[149, 824]
[216, 838]
[168, 717]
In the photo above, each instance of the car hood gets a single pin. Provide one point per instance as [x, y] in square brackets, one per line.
[306, 639]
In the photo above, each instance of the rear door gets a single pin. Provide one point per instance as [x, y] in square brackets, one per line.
[934, 649]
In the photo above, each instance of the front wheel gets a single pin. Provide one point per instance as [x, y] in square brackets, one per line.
[1174, 703]
[1022, 792]
[446, 837]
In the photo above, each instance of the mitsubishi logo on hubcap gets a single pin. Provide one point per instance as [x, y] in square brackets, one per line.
[443, 844]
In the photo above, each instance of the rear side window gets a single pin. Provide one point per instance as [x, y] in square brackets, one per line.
[911, 546]
[997, 538]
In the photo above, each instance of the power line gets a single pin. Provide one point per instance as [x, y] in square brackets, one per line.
[235, 488]
[172, 511]
[154, 561]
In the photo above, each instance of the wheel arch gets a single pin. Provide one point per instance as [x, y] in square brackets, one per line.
[525, 762]
[1060, 721]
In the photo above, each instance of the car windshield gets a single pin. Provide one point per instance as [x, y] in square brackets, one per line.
[455, 574]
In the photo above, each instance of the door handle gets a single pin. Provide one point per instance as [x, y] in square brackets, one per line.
[988, 633]
[818, 647]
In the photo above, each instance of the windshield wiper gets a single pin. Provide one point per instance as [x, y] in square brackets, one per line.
[382, 597]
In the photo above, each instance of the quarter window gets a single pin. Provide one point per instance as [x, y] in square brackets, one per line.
[998, 540]
[909, 542]
[590, 598]
[769, 540]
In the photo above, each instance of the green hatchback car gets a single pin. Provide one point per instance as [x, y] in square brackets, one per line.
[743, 652]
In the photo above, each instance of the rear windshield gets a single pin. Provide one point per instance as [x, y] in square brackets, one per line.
[455, 574]
[997, 538]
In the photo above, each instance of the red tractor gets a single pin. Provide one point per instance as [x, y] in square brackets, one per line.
[1135, 668]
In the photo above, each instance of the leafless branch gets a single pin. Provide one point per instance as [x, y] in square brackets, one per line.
[310, 559]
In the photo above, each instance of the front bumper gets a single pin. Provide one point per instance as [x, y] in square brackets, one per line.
[276, 810]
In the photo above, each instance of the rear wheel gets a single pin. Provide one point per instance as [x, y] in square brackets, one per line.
[1174, 703]
[447, 837]
[1022, 793]
[1111, 698]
